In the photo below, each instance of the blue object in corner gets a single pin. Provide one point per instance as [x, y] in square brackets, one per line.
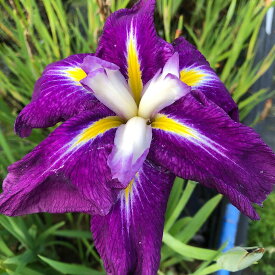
[229, 230]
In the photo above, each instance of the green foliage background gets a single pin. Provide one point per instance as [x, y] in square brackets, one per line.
[34, 33]
[263, 234]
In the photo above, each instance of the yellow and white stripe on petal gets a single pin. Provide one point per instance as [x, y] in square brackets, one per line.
[88, 134]
[128, 191]
[133, 65]
[76, 74]
[67, 76]
[73, 74]
[97, 128]
[167, 124]
[128, 198]
[178, 128]
[197, 76]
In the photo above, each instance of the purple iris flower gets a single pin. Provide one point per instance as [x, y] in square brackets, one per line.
[137, 113]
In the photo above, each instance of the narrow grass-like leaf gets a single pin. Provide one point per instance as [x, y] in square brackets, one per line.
[70, 269]
[50, 231]
[5, 146]
[199, 219]
[5, 249]
[208, 270]
[174, 196]
[187, 250]
[181, 204]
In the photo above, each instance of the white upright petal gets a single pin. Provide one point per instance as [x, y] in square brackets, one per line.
[172, 66]
[110, 88]
[92, 63]
[161, 93]
[132, 143]
[163, 89]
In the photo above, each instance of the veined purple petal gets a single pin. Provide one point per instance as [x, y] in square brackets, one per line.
[130, 41]
[196, 72]
[58, 95]
[70, 163]
[129, 238]
[54, 195]
[195, 139]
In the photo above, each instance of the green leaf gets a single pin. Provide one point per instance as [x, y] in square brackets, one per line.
[174, 196]
[209, 270]
[205, 266]
[181, 204]
[7, 150]
[20, 261]
[188, 250]
[50, 231]
[179, 225]
[16, 227]
[5, 249]
[199, 219]
[70, 269]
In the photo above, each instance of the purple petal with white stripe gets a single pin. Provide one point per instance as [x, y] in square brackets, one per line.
[134, 27]
[195, 139]
[67, 172]
[129, 238]
[58, 95]
[196, 72]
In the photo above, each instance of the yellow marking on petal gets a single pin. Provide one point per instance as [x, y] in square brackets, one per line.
[191, 77]
[99, 127]
[76, 74]
[162, 122]
[128, 190]
[133, 68]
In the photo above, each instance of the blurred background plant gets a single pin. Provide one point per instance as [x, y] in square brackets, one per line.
[34, 33]
[263, 234]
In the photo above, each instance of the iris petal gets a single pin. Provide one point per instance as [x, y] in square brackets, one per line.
[195, 139]
[110, 88]
[58, 95]
[54, 195]
[172, 66]
[163, 90]
[196, 72]
[68, 165]
[130, 41]
[92, 63]
[129, 238]
[132, 142]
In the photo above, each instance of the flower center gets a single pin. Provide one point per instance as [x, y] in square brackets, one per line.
[111, 88]
[137, 105]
